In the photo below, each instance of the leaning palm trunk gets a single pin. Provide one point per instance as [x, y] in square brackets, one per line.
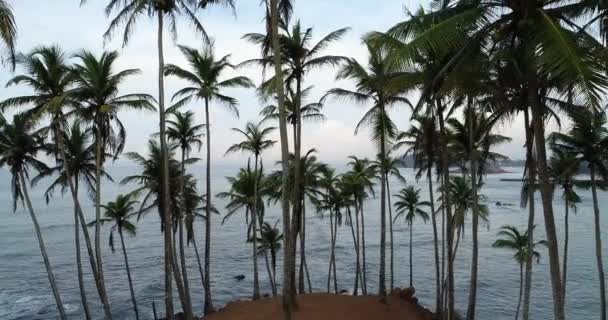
[45, 257]
[448, 211]
[531, 205]
[98, 164]
[83, 293]
[521, 285]
[270, 276]
[435, 243]
[124, 252]
[566, 240]
[390, 231]
[304, 246]
[101, 289]
[356, 246]
[411, 254]
[383, 196]
[475, 253]
[546, 192]
[331, 253]
[598, 244]
[363, 263]
[167, 220]
[297, 196]
[288, 297]
[182, 253]
[208, 301]
[254, 219]
[198, 260]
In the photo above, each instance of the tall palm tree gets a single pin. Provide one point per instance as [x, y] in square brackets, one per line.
[517, 241]
[80, 154]
[275, 10]
[185, 135]
[205, 84]
[377, 85]
[97, 88]
[49, 76]
[128, 13]
[564, 167]
[118, 212]
[270, 241]
[542, 30]
[19, 145]
[587, 140]
[421, 143]
[255, 142]
[8, 30]
[409, 204]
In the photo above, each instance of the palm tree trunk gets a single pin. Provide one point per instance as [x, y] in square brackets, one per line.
[182, 253]
[304, 246]
[301, 286]
[208, 302]
[288, 298]
[356, 246]
[254, 221]
[45, 257]
[98, 164]
[298, 193]
[531, 217]
[198, 260]
[364, 263]
[448, 210]
[521, 284]
[443, 254]
[333, 250]
[179, 284]
[411, 253]
[435, 243]
[383, 196]
[270, 276]
[598, 244]
[99, 284]
[273, 261]
[124, 252]
[566, 239]
[331, 253]
[167, 219]
[83, 293]
[475, 253]
[390, 231]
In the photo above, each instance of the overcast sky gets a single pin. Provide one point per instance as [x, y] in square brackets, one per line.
[63, 22]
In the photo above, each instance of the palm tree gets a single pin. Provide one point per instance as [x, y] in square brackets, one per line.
[330, 201]
[80, 154]
[255, 142]
[204, 84]
[275, 10]
[564, 167]
[19, 145]
[185, 135]
[516, 241]
[421, 142]
[8, 30]
[270, 241]
[377, 84]
[118, 212]
[587, 140]
[542, 31]
[51, 79]
[128, 13]
[409, 204]
[97, 90]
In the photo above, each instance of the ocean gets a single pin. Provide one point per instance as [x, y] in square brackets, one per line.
[25, 292]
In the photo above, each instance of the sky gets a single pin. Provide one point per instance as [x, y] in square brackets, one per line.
[65, 23]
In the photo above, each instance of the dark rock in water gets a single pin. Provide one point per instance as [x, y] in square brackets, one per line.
[240, 277]
[407, 294]
[266, 295]
[343, 291]
[498, 204]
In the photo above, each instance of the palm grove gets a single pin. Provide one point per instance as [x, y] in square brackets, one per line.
[473, 66]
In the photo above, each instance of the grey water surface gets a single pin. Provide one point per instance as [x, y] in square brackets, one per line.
[25, 292]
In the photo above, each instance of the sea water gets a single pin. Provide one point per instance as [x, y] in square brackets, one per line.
[26, 294]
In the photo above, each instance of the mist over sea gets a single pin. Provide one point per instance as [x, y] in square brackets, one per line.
[25, 292]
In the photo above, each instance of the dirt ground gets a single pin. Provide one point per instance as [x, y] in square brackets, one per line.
[326, 307]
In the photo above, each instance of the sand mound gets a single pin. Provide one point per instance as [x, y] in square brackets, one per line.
[326, 307]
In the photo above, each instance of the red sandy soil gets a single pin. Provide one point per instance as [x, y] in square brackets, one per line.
[326, 307]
